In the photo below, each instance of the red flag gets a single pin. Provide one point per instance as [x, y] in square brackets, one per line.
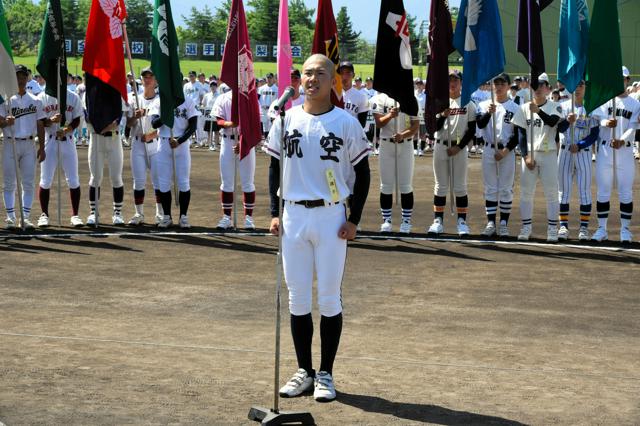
[103, 50]
[441, 42]
[325, 41]
[237, 73]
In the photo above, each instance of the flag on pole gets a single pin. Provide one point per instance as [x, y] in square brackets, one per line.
[441, 45]
[165, 63]
[237, 73]
[285, 61]
[8, 80]
[478, 38]
[325, 41]
[604, 60]
[103, 61]
[51, 52]
[393, 68]
[530, 36]
[572, 42]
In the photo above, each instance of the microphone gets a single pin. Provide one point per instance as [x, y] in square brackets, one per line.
[286, 95]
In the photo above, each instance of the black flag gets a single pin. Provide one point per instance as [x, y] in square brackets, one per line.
[393, 69]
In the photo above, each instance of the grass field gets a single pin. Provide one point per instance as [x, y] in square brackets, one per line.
[208, 67]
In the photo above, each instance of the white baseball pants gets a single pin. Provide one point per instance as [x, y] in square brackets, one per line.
[164, 163]
[27, 160]
[386, 159]
[108, 147]
[547, 171]
[228, 167]
[441, 170]
[68, 157]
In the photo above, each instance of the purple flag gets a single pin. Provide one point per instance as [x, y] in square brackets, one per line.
[530, 36]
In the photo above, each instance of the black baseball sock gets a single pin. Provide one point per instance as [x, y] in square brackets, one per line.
[491, 208]
[330, 331]
[406, 201]
[74, 194]
[165, 198]
[43, 195]
[118, 197]
[302, 333]
[462, 203]
[438, 206]
[386, 206]
[183, 199]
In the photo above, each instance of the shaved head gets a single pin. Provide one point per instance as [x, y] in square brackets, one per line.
[318, 59]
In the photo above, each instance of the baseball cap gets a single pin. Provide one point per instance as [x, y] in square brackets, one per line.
[346, 64]
[213, 83]
[295, 73]
[358, 78]
[129, 74]
[455, 73]
[504, 77]
[544, 78]
[22, 69]
[146, 70]
[518, 78]
[192, 73]
[625, 72]
[270, 75]
[369, 79]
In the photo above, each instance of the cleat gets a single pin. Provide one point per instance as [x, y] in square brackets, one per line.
[184, 222]
[552, 234]
[420, 153]
[583, 234]
[503, 230]
[43, 221]
[248, 223]
[158, 218]
[436, 227]
[27, 224]
[525, 233]
[212, 147]
[463, 228]
[136, 220]
[297, 385]
[10, 223]
[166, 222]
[405, 227]
[117, 219]
[600, 234]
[386, 226]
[473, 149]
[415, 152]
[563, 233]
[489, 230]
[91, 219]
[76, 221]
[325, 390]
[625, 235]
[593, 158]
[225, 223]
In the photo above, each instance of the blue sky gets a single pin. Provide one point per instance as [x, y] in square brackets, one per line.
[363, 13]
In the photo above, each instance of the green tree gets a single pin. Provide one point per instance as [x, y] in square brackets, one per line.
[299, 14]
[303, 36]
[221, 21]
[139, 19]
[347, 37]
[69, 12]
[263, 20]
[24, 20]
[199, 25]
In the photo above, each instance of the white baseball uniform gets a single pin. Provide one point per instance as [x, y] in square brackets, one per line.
[355, 101]
[195, 92]
[143, 154]
[267, 94]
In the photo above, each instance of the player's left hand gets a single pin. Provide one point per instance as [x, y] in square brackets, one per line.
[174, 143]
[55, 118]
[236, 149]
[574, 148]
[60, 133]
[397, 138]
[41, 155]
[617, 143]
[347, 231]
[454, 150]
[500, 154]
[534, 108]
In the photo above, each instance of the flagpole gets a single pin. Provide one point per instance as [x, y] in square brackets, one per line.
[573, 133]
[173, 163]
[15, 163]
[531, 117]
[451, 194]
[613, 137]
[235, 183]
[395, 157]
[495, 140]
[57, 142]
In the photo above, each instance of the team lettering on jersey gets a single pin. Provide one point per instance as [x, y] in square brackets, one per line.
[21, 112]
[331, 144]
[51, 108]
[621, 113]
[536, 123]
[292, 144]
[348, 106]
[458, 111]
[508, 116]
[181, 113]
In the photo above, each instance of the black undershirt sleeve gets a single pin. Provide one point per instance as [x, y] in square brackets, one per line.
[156, 123]
[468, 134]
[483, 120]
[522, 141]
[362, 118]
[193, 125]
[440, 122]
[549, 120]
[360, 190]
[274, 183]
[75, 123]
[514, 139]
[563, 125]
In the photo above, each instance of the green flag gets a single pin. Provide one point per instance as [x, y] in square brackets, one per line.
[8, 80]
[164, 61]
[52, 61]
[604, 59]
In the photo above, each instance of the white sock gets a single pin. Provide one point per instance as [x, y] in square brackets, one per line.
[139, 209]
[625, 223]
[602, 222]
[159, 211]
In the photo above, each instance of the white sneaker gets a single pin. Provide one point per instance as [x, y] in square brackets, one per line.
[415, 152]
[297, 385]
[420, 153]
[10, 223]
[137, 219]
[428, 148]
[76, 221]
[489, 230]
[583, 234]
[386, 226]
[552, 234]
[473, 150]
[405, 227]
[212, 147]
[43, 221]
[165, 222]
[184, 222]
[480, 150]
[325, 391]
[563, 233]
[376, 151]
[625, 235]
[503, 230]
[225, 223]
[117, 219]
[436, 227]
[525, 233]
[158, 218]
[600, 234]
[463, 228]
[248, 223]
[593, 158]
[91, 219]
[27, 224]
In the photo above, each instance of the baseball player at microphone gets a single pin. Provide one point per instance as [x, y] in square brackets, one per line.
[323, 145]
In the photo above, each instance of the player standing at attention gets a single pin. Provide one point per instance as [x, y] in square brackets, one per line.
[323, 145]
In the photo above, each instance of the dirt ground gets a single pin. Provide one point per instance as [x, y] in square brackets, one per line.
[132, 326]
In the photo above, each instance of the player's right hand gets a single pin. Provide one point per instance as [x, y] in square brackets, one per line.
[617, 143]
[446, 112]
[571, 118]
[393, 112]
[492, 109]
[530, 162]
[55, 118]
[274, 227]
[612, 123]
[10, 120]
[139, 113]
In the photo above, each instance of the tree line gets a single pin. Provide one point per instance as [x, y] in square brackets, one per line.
[202, 25]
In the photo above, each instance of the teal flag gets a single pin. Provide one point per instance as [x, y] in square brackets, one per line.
[8, 80]
[164, 61]
[573, 41]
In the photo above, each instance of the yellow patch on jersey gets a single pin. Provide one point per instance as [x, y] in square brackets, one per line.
[333, 188]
